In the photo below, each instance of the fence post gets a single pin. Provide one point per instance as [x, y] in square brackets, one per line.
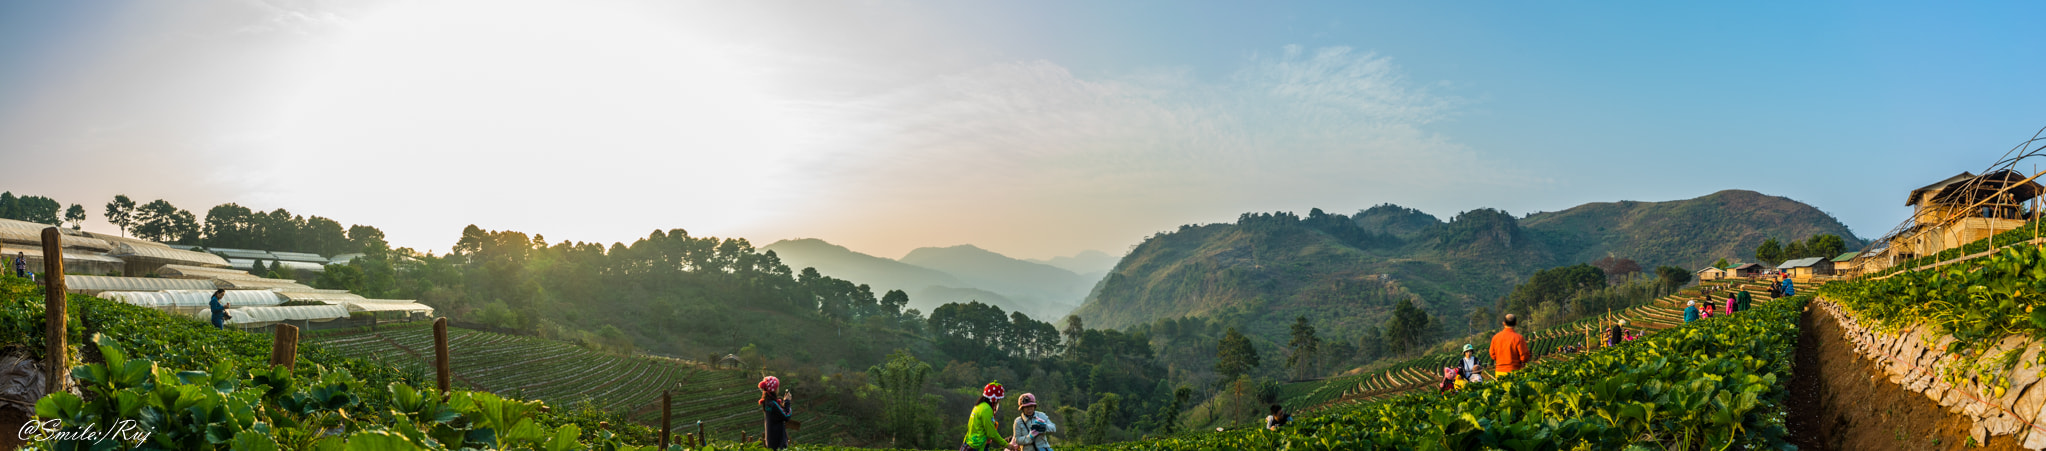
[284, 346]
[56, 363]
[665, 404]
[442, 373]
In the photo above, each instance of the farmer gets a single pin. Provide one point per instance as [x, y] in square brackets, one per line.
[775, 405]
[1032, 430]
[219, 308]
[1509, 349]
[20, 265]
[1277, 419]
[981, 431]
[1731, 302]
[1616, 333]
[1470, 363]
[1690, 311]
[1744, 300]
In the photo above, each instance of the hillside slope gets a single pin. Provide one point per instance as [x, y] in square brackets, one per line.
[1689, 233]
[1346, 272]
[1041, 289]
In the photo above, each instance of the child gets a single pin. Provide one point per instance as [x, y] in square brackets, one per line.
[981, 431]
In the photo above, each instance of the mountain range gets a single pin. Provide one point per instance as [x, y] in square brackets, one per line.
[934, 276]
[1344, 272]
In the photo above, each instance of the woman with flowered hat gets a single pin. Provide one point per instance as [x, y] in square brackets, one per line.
[982, 433]
[775, 405]
[1032, 430]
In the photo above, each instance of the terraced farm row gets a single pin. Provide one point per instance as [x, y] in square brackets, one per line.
[1425, 371]
[566, 375]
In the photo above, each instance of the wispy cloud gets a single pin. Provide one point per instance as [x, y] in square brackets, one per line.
[1103, 160]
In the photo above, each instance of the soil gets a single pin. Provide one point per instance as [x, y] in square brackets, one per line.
[1840, 400]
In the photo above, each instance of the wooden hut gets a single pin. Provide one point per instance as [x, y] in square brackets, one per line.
[1710, 274]
[1962, 209]
[1747, 270]
[1807, 267]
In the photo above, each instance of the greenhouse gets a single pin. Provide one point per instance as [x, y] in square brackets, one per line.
[264, 316]
[99, 284]
[74, 262]
[144, 259]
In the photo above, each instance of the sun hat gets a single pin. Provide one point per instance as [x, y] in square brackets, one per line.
[1468, 348]
[1027, 400]
[993, 390]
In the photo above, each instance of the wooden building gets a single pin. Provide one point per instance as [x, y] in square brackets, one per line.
[1747, 270]
[1710, 274]
[1807, 267]
[1962, 209]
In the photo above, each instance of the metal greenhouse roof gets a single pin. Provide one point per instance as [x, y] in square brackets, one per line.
[376, 305]
[96, 284]
[243, 253]
[37, 253]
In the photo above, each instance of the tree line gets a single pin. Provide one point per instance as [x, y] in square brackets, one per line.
[1775, 253]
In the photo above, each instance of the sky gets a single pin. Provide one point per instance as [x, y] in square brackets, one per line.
[1035, 129]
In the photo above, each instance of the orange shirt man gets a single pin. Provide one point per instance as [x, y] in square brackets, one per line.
[1509, 349]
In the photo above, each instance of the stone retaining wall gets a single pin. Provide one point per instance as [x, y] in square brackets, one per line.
[1913, 358]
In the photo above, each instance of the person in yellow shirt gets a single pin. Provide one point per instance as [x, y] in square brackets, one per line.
[982, 433]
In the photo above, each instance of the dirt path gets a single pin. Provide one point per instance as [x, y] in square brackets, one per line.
[1840, 400]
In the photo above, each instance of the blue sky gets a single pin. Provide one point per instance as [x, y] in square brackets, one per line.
[1030, 128]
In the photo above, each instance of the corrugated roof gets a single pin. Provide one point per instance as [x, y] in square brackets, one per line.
[25, 225]
[131, 252]
[195, 298]
[95, 284]
[1800, 263]
[1747, 265]
[1846, 256]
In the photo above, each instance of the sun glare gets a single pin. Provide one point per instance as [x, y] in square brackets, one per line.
[508, 106]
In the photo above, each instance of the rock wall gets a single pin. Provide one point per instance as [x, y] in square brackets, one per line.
[1914, 357]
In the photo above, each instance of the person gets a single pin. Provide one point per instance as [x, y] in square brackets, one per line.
[219, 308]
[1705, 310]
[774, 405]
[1744, 300]
[1451, 379]
[1789, 288]
[20, 264]
[1032, 431]
[1731, 300]
[1509, 349]
[1469, 364]
[981, 431]
[1277, 419]
[1690, 312]
[1616, 333]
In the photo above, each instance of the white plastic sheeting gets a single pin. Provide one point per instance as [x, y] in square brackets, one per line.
[388, 305]
[258, 316]
[34, 238]
[299, 257]
[200, 272]
[96, 284]
[315, 296]
[263, 284]
[303, 266]
[130, 251]
[195, 298]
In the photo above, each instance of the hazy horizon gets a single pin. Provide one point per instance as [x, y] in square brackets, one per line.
[1035, 130]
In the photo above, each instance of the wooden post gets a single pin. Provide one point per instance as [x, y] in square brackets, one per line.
[665, 404]
[702, 439]
[442, 373]
[56, 361]
[284, 346]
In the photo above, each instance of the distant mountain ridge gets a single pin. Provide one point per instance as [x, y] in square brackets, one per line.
[1344, 272]
[935, 276]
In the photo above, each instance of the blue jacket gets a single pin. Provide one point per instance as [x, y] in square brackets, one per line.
[219, 314]
[1690, 314]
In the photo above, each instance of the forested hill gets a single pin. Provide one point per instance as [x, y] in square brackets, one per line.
[1345, 272]
[1688, 233]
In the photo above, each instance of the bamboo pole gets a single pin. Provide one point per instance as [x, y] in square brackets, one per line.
[284, 346]
[442, 373]
[56, 363]
[666, 404]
